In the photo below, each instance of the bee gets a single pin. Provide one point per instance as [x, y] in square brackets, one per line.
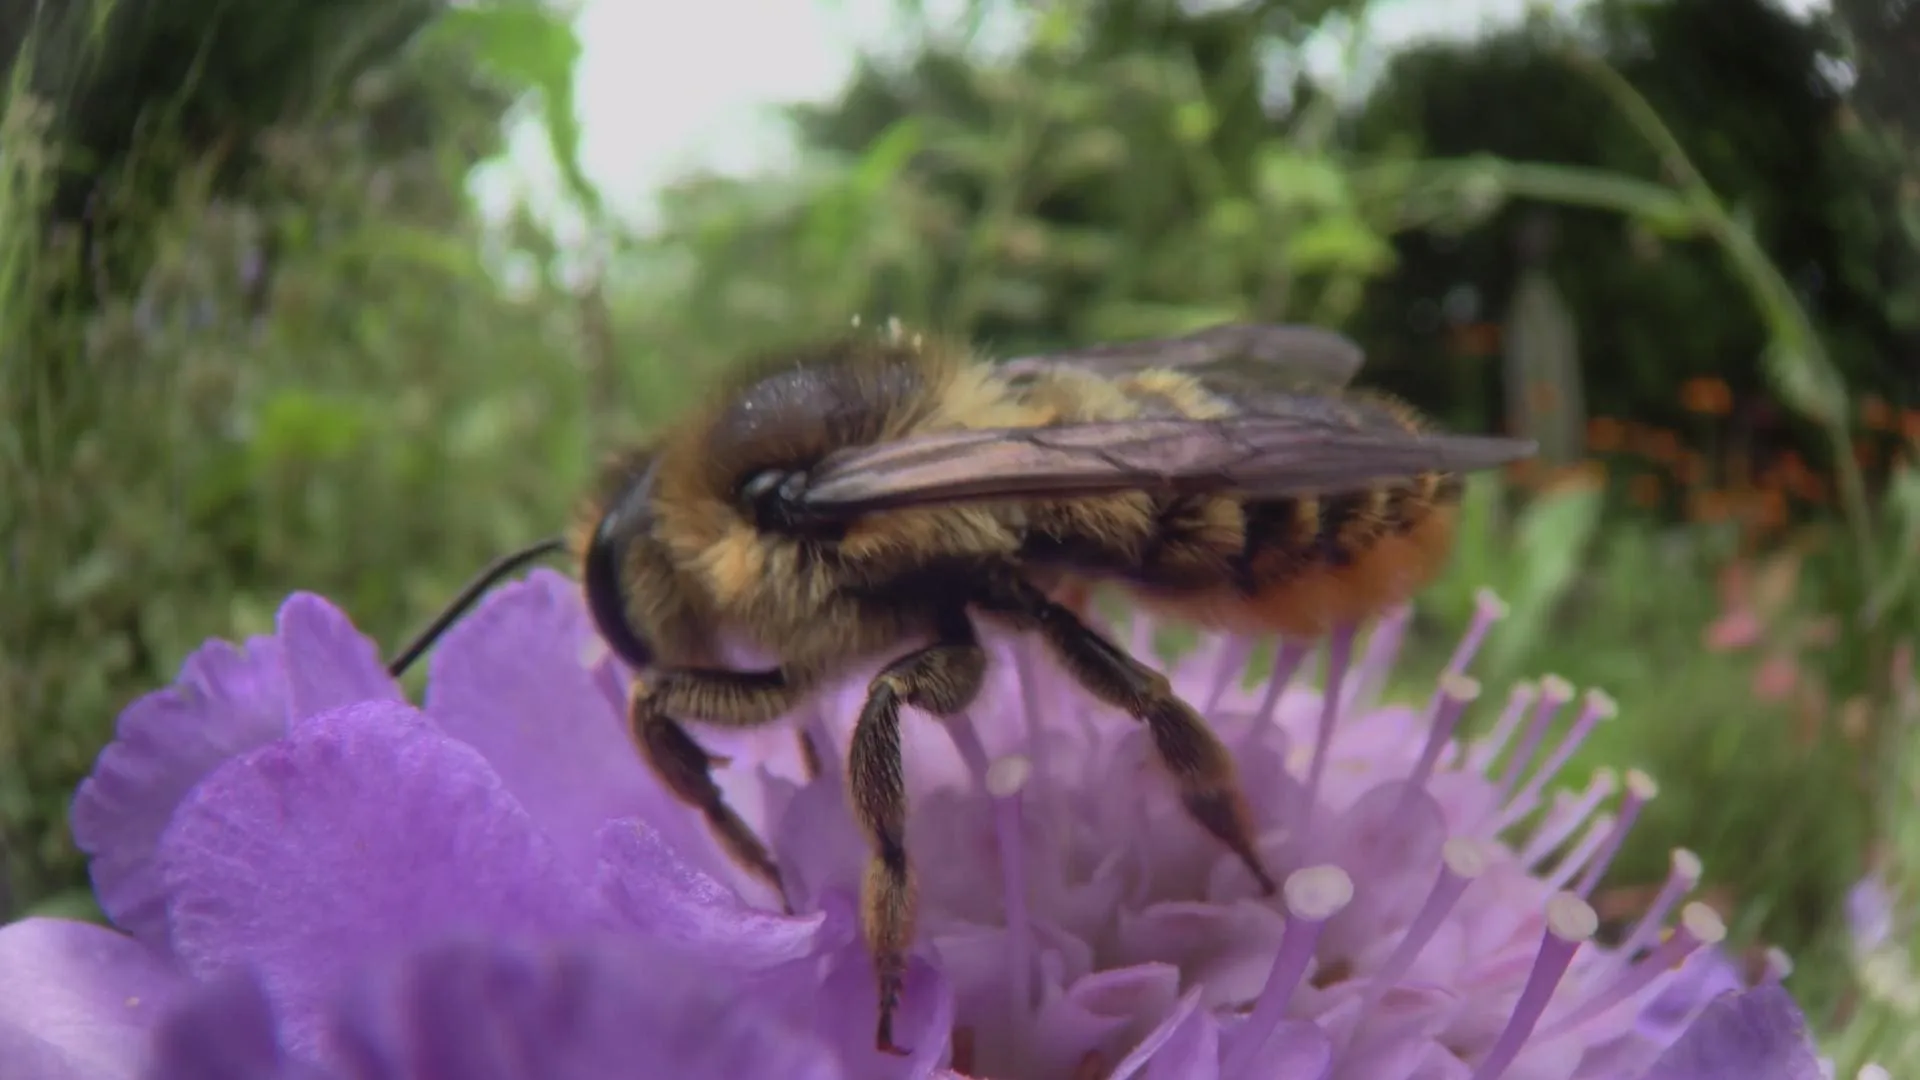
[829, 504]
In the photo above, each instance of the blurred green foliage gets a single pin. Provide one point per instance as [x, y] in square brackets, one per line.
[258, 340]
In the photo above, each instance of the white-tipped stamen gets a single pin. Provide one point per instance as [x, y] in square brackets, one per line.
[1487, 749]
[1599, 706]
[1339, 657]
[1683, 875]
[1555, 692]
[966, 742]
[1699, 926]
[1005, 780]
[1571, 921]
[1488, 609]
[1311, 896]
[1231, 657]
[1569, 812]
[1036, 706]
[1383, 648]
[1873, 1070]
[1640, 790]
[1287, 661]
[1573, 861]
[1449, 703]
[1777, 966]
[1462, 859]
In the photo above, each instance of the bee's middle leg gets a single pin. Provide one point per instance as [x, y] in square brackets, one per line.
[730, 699]
[941, 679]
[1200, 763]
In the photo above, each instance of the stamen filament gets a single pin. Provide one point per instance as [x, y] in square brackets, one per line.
[1488, 609]
[1570, 864]
[1462, 859]
[1683, 874]
[1640, 790]
[1698, 926]
[1004, 782]
[1598, 707]
[1490, 747]
[1566, 816]
[966, 741]
[1449, 703]
[1286, 664]
[1230, 661]
[1312, 896]
[1339, 656]
[1555, 692]
[1383, 647]
[1570, 922]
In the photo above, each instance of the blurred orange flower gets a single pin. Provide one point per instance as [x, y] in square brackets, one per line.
[1605, 434]
[1707, 396]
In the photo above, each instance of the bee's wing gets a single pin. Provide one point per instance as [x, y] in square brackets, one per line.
[1263, 356]
[1292, 445]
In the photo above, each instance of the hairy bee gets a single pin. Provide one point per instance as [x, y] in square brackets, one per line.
[827, 506]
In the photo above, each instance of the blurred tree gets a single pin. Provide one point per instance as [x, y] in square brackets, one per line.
[140, 88]
[1747, 90]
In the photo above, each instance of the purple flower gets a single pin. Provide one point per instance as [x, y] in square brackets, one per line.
[315, 879]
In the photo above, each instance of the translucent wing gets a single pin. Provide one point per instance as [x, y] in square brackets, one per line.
[1240, 356]
[1289, 445]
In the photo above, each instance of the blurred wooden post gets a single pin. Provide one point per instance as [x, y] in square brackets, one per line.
[1541, 349]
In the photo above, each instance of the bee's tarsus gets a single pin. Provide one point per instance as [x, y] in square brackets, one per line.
[941, 679]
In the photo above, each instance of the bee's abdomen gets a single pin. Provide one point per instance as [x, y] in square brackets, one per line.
[1311, 564]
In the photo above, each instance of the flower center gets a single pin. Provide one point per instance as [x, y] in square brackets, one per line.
[1430, 903]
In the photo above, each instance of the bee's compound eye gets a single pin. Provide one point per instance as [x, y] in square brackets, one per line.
[773, 498]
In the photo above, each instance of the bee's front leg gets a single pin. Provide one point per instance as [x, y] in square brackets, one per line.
[941, 679]
[721, 698]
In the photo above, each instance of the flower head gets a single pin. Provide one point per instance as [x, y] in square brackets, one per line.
[364, 884]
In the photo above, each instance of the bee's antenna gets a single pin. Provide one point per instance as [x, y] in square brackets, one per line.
[481, 582]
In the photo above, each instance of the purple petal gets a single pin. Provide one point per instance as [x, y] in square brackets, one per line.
[1115, 1006]
[362, 831]
[1702, 978]
[329, 663]
[851, 1000]
[509, 680]
[225, 1031]
[78, 1001]
[1755, 1035]
[645, 880]
[1870, 913]
[1145, 1050]
[227, 701]
[468, 1011]
[1193, 1053]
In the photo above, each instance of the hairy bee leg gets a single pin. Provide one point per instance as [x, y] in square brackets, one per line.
[941, 679]
[732, 699]
[1200, 764]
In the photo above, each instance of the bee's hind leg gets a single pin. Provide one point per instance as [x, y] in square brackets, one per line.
[1199, 762]
[720, 698]
[941, 679]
